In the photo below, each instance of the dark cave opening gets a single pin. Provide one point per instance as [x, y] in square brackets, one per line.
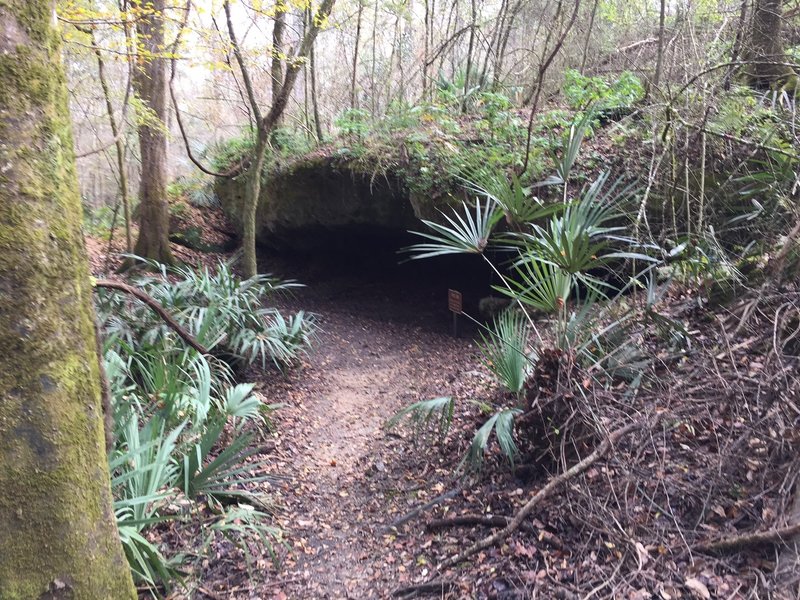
[365, 270]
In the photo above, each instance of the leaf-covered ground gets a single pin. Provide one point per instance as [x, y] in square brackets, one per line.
[627, 528]
[369, 512]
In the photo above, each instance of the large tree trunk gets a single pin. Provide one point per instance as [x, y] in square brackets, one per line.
[765, 49]
[150, 83]
[58, 537]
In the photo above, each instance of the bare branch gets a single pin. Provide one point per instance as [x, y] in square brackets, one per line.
[156, 307]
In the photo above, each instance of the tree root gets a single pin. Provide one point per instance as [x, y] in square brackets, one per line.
[414, 513]
[547, 537]
[485, 520]
[437, 588]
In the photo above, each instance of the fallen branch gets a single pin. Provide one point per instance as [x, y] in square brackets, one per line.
[747, 540]
[494, 521]
[543, 494]
[433, 587]
[485, 520]
[626, 49]
[156, 307]
[412, 514]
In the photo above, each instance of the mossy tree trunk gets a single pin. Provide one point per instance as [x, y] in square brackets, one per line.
[249, 264]
[265, 125]
[150, 84]
[58, 536]
[765, 49]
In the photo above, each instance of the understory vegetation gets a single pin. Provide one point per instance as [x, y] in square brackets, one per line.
[430, 146]
[592, 244]
[627, 176]
[556, 265]
[186, 433]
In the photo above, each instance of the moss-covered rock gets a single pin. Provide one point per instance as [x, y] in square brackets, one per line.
[306, 204]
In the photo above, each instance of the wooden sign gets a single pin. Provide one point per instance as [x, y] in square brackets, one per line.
[455, 301]
[456, 306]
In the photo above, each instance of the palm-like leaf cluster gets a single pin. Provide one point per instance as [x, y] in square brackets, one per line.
[184, 429]
[225, 313]
[468, 234]
[559, 253]
[505, 350]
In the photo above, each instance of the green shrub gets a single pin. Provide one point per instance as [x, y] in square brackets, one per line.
[289, 141]
[197, 190]
[558, 253]
[225, 154]
[98, 221]
[224, 313]
[354, 123]
[582, 91]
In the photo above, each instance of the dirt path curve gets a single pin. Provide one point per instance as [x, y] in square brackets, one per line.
[348, 476]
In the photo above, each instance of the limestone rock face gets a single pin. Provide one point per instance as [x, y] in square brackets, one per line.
[316, 203]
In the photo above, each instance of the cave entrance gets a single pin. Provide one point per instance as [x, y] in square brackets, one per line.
[360, 270]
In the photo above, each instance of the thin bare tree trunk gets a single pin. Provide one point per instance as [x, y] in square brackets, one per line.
[426, 50]
[118, 142]
[450, 25]
[473, 24]
[543, 67]
[306, 92]
[501, 51]
[402, 87]
[737, 43]
[660, 55]
[265, 125]
[312, 65]
[374, 91]
[494, 41]
[353, 95]
[276, 69]
[589, 37]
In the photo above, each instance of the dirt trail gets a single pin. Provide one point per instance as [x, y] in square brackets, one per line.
[347, 479]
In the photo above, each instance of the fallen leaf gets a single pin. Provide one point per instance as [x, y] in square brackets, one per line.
[698, 588]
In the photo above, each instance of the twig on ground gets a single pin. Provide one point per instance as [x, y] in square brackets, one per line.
[494, 521]
[543, 494]
[414, 513]
[420, 589]
[485, 520]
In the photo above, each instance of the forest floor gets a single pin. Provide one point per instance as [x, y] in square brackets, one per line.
[366, 511]
[348, 477]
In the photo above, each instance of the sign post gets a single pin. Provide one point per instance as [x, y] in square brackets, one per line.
[455, 304]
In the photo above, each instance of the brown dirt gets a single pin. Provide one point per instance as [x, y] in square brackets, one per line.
[347, 476]
[344, 488]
